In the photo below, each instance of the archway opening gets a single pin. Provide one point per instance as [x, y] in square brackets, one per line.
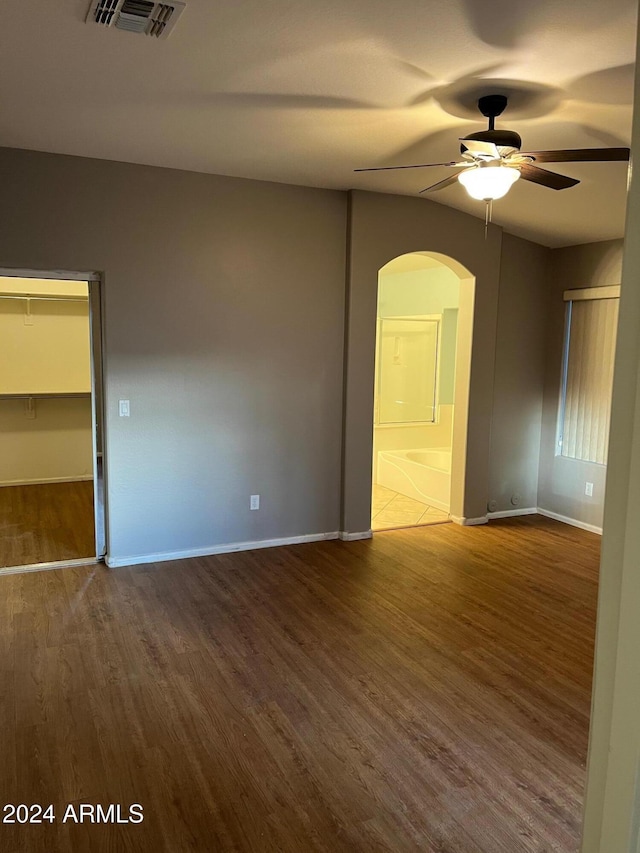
[421, 390]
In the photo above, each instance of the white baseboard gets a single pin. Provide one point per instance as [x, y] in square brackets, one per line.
[42, 482]
[116, 562]
[139, 559]
[468, 522]
[512, 513]
[353, 537]
[572, 521]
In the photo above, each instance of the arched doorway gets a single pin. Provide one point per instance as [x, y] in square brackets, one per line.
[421, 390]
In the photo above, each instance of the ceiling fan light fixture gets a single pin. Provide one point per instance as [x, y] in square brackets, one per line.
[488, 181]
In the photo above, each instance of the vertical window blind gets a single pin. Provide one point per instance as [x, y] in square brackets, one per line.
[592, 321]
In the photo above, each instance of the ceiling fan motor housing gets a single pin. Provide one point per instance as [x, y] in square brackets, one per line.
[507, 139]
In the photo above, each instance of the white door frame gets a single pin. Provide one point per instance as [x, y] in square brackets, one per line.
[97, 416]
[94, 280]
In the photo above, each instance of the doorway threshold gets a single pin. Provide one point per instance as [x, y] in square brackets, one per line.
[45, 567]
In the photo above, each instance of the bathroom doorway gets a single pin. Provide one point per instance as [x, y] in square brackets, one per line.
[417, 389]
[51, 437]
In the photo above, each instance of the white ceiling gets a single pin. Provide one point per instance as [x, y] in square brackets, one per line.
[304, 92]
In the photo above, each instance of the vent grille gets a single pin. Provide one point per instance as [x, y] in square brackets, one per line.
[134, 15]
[104, 11]
[146, 17]
[161, 19]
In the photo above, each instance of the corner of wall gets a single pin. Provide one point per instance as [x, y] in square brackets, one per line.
[518, 388]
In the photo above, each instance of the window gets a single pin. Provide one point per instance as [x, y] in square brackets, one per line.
[587, 373]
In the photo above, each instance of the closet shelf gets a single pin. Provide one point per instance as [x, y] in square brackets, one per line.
[43, 298]
[45, 395]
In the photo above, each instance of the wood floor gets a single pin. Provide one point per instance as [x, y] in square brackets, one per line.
[427, 690]
[45, 523]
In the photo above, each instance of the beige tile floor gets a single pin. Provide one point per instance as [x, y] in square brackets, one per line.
[390, 510]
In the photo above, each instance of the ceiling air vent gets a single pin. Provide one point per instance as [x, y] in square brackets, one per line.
[136, 16]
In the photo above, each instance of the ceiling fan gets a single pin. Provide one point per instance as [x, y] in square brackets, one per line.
[492, 160]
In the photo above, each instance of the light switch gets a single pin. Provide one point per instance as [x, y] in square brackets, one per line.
[124, 409]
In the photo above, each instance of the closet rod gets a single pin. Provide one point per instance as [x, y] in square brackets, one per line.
[44, 298]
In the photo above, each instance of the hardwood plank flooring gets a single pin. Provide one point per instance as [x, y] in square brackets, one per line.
[427, 690]
[42, 523]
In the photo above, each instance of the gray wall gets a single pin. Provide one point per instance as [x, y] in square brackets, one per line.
[225, 327]
[224, 304]
[383, 227]
[519, 374]
[562, 481]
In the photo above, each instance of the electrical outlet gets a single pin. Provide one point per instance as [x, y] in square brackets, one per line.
[588, 489]
[254, 502]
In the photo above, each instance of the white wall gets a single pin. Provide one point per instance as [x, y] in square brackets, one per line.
[49, 353]
[427, 291]
[612, 797]
[562, 480]
[52, 447]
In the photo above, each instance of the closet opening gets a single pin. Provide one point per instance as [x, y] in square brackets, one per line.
[52, 506]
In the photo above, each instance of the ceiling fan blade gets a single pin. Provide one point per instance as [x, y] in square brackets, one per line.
[578, 155]
[441, 184]
[417, 166]
[477, 146]
[545, 178]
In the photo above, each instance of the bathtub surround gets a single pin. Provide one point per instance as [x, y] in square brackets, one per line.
[448, 344]
[422, 474]
[225, 310]
[411, 436]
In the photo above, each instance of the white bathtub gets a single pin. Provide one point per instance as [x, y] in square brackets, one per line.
[422, 474]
